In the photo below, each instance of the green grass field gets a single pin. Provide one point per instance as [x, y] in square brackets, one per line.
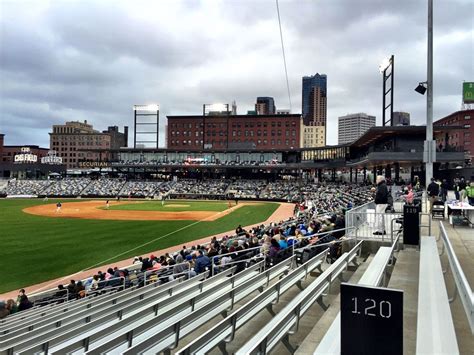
[169, 206]
[36, 249]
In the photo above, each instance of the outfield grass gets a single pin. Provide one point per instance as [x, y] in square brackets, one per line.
[36, 249]
[172, 206]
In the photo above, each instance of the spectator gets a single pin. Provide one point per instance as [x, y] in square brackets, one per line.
[381, 202]
[444, 190]
[11, 306]
[462, 189]
[274, 248]
[433, 192]
[470, 193]
[23, 301]
[283, 243]
[3, 310]
[202, 262]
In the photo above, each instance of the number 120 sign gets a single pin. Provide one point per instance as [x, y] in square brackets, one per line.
[371, 320]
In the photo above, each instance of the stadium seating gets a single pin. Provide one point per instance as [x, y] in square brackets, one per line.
[27, 187]
[224, 331]
[435, 328]
[69, 187]
[94, 331]
[373, 276]
[287, 319]
[104, 187]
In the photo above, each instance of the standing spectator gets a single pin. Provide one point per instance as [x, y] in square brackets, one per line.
[462, 189]
[470, 193]
[433, 192]
[381, 203]
[444, 190]
[456, 188]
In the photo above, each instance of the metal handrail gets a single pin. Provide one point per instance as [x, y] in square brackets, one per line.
[462, 287]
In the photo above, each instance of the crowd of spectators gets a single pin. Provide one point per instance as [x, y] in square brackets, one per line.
[141, 188]
[26, 187]
[70, 187]
[250, 189]
[201, 187]
[284, 190]
[104, 187]
[200, 162]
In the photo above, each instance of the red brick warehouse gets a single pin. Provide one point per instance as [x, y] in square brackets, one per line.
[222, 132]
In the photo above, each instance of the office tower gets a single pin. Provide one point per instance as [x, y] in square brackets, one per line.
[314, 103]
[353, 126]
[265, 106]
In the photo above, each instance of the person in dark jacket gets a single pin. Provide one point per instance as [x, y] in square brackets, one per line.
[202, 261]
[381, 203]
[433, 192]
[444, 190]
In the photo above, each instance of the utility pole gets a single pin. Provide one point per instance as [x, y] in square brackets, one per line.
[429, 155]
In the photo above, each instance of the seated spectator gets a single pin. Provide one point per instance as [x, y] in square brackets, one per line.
[283, 244]
[11, 306]
[61, 293]
[72, 289]
[79, 290]
[202, 261]
[23, 301]
[3, 310]
[274, 248]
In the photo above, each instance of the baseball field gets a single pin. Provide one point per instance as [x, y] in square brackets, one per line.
[40, 243]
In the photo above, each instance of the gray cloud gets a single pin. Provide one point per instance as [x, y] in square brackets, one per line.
[93, 60]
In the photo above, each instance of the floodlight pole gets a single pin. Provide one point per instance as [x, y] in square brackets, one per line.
[429, 151]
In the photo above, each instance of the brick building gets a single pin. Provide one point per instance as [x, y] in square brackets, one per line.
[457, 139]
[221, 132]
[8, 152]
[74, 142]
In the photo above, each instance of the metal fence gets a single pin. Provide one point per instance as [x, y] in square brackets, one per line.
[363, 221]
[462, 287]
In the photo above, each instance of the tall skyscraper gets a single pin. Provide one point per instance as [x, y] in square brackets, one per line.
[314, 108]
[353, 126]
[265, 106]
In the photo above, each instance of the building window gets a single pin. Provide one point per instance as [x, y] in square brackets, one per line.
[467, 117]
[467, 126]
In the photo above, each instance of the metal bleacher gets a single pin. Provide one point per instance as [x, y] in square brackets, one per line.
[435, 328]
[286, 322]
[99, 327]
[373, 276]
[224, 331]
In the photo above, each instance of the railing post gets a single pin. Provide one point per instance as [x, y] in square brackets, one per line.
[144, 278]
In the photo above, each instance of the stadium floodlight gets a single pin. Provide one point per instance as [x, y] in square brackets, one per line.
[217, 107]
[421, 88]
[384, 64]
[149, 107]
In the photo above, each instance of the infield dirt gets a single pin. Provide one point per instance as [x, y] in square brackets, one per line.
[94, 210]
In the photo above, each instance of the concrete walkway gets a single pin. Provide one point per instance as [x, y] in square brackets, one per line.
[283, 212]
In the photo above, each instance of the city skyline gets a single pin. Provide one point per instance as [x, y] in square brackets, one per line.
[66, 61]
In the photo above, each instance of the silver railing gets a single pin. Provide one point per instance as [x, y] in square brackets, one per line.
[462, 287]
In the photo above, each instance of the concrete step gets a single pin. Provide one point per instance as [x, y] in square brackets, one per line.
[309, 340]
[405, 277]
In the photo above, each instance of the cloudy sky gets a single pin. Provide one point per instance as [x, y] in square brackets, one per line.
[93, 60]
